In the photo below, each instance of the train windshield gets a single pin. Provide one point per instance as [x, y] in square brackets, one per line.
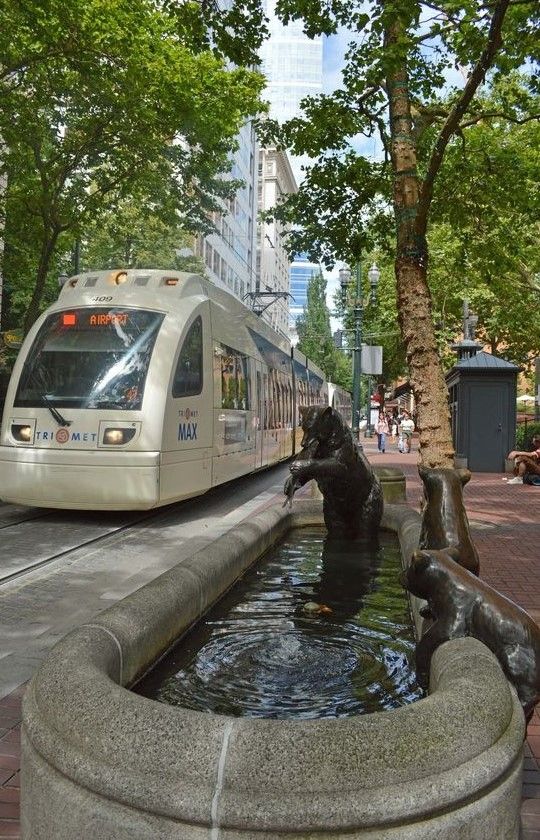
[90, 358]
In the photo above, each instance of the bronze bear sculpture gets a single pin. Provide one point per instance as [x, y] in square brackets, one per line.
[444, 520]
[462, 605]
[352, 494]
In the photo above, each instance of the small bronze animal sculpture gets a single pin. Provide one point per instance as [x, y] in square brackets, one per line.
[352, 495]
[462, 605]
[444, 520]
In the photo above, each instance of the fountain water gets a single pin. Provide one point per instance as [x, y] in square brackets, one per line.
[317, 628]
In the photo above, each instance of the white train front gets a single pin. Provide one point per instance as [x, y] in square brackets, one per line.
[142, 387]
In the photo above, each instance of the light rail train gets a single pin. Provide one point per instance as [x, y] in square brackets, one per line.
[139, 388]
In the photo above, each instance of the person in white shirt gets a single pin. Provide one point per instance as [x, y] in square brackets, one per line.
[407, 429]
[381, 427]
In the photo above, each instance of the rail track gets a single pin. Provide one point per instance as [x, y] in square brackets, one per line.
[32, 539]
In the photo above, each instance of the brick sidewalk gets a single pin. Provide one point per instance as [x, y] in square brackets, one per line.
[506, 527]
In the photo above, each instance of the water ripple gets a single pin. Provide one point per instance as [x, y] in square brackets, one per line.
[315, 630]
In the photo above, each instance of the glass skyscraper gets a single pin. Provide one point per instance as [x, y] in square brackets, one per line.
[300, 274]
[292, 64]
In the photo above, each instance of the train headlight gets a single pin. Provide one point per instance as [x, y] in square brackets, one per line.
[22, 433]
[117, 437]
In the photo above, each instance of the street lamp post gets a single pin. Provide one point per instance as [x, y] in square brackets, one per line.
[358, 311]
[373, 276]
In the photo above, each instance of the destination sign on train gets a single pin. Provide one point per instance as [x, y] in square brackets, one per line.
[95, 319]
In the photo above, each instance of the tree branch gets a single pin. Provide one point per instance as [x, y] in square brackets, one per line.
[452, 123]
[491, 114]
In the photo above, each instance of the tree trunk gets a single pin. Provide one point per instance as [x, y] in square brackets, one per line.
[413, 295]
[426, 375]
[47, 249]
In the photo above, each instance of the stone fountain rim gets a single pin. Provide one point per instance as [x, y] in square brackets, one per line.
[266, 774]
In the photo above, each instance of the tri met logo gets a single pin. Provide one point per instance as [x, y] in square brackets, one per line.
[65, 436]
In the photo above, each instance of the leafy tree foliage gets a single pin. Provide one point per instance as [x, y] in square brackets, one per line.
[102, 98]
[483, 241]
[315, 335]
[132, 236]
[484, 238]
[400, 83]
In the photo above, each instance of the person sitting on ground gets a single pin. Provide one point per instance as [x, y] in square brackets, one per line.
[526, 463]
[407, 429]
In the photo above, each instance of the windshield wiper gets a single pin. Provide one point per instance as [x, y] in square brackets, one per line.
[55, 413]
[43, 396]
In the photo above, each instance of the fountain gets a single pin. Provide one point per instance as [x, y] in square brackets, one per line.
[130, 768]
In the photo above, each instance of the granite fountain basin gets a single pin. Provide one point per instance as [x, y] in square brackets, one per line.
[101, 762]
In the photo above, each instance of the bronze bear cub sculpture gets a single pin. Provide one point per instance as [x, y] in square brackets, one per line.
[352, 494]
[444, 520]
[462, 605]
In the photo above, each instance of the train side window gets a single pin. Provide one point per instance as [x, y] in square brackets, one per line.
[188, 376]
[271, 401]
[235, 391]
[277, 401]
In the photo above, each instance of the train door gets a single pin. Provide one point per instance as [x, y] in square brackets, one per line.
[259, 416]
[234, 430]
[186, 457]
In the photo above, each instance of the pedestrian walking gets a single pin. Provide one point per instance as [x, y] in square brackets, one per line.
[381, 427]
[407, 429]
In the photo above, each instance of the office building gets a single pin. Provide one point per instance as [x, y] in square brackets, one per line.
[292, 64]
[244, 256]
[276, 180]
[301, 273]
[229, 253]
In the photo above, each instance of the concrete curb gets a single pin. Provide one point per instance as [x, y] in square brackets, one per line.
[129, 767]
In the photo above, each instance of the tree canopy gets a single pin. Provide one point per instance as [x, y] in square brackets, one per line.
[412, 77]
[483, 241]
[103, 100]
[484, 238]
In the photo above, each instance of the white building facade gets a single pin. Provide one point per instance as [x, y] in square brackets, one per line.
[244, 255]
[229, 253]
[276, 180]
